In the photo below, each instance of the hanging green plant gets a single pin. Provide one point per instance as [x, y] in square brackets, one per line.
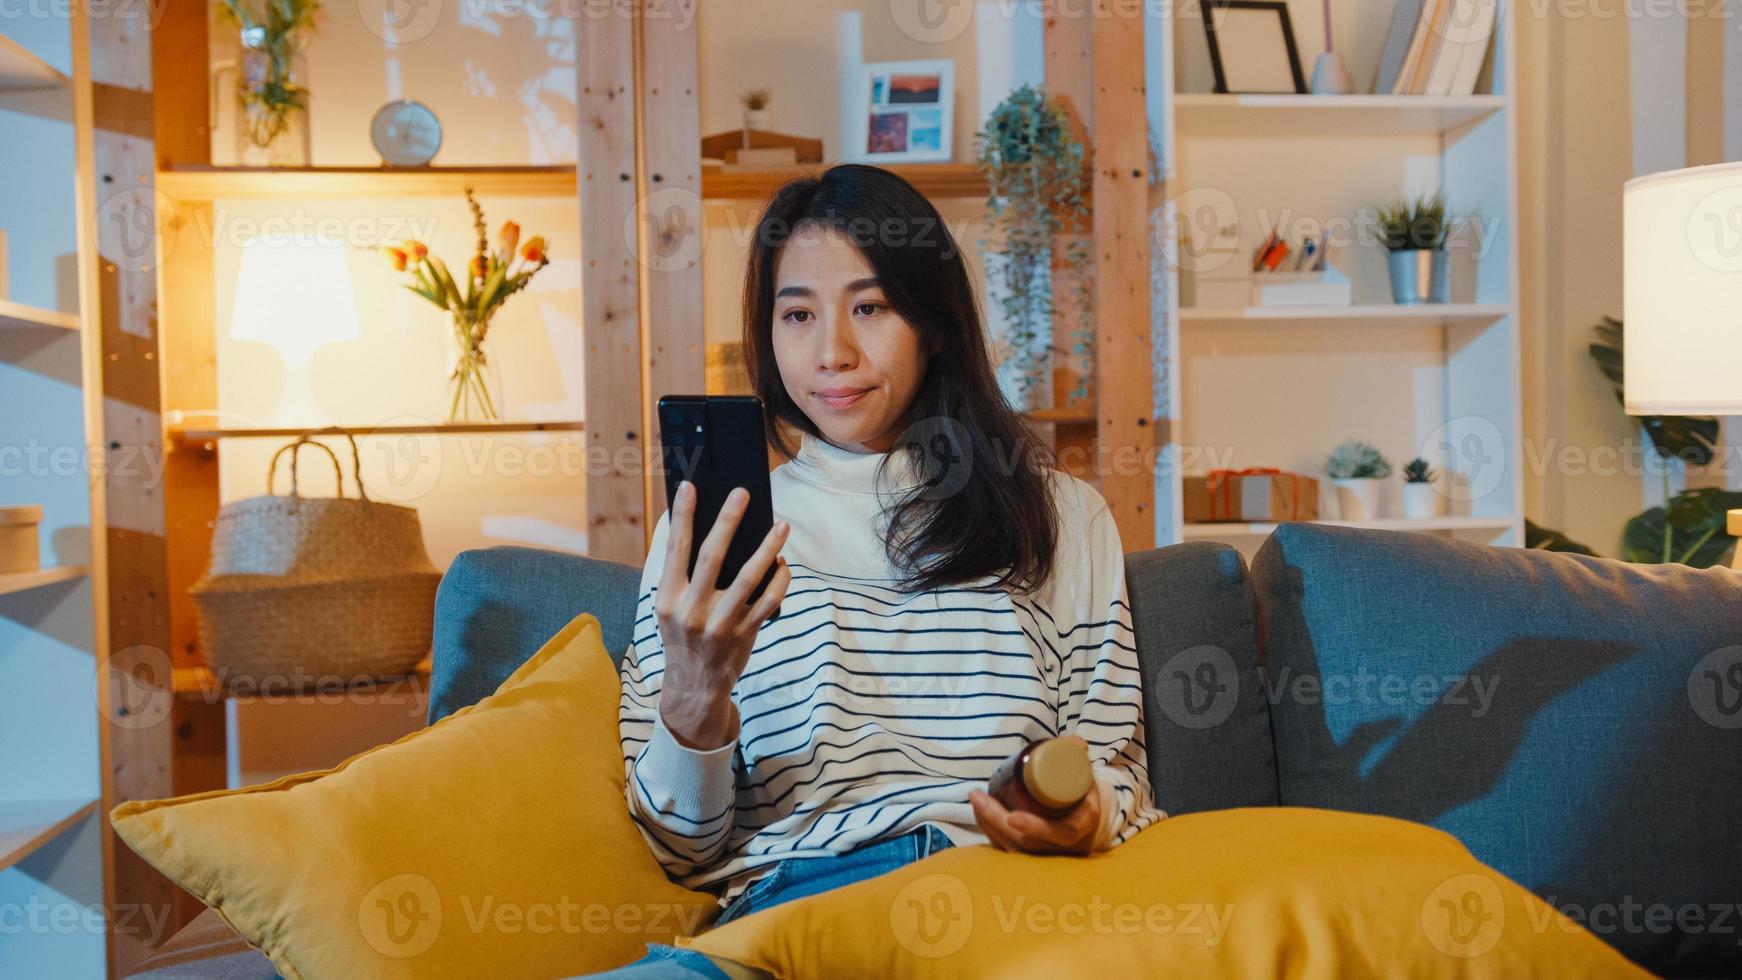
[270, 92]
[1037, 210]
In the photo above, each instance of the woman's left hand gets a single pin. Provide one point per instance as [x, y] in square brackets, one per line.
[1019, 830]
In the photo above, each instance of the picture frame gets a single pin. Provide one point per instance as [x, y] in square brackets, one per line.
[1249, 54]
[909, 111]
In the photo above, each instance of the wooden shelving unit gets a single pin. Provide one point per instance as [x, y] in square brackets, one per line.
[189, 182]
[188, 436]
[1375, 313]
[15, 582]
[201, 683]
[17, 316]
[26, 825]
[1317, 116]
[22, 71]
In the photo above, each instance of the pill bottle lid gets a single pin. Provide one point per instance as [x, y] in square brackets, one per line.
[1057, 773]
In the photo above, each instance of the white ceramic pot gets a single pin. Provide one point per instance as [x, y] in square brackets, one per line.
[755, 118]
[1357, 500]
[1420, 501]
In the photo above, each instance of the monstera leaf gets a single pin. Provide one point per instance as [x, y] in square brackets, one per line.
[1690, 530]
[1688, 438]
[1547, 539]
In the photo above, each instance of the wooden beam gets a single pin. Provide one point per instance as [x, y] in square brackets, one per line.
[1067, 43]
[610, 283]
[1124, 403]
[112, 85]
[669, 214]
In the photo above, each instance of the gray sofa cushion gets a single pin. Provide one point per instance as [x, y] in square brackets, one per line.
[497, 606]
[1573, 720]
[1191, 604]
[1207, 723]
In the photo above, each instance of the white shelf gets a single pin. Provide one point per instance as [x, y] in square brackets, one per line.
[1378, 313]
[1319, 116]
[17, 316]
[26, 826]
[11, 582]
[22, 71]
[1217, 531]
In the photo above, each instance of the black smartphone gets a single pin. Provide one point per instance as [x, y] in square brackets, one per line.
[718, 442]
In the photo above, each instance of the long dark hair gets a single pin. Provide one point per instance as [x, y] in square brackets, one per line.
[983, 506]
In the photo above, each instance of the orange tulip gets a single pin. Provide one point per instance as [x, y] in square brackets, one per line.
[396, 256]
[508, 237]
[416, 249]
[534, 250]
[480, 266]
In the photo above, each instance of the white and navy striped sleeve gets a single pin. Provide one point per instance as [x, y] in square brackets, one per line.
[1101, 692]
[681, 798]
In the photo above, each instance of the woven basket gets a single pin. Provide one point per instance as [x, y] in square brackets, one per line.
[305, 591]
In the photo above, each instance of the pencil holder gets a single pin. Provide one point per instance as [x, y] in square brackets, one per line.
[1321, 287]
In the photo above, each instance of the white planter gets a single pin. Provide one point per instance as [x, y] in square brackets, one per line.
[1357, 500]
[1421, 501]
[19, 548]
[755, 118]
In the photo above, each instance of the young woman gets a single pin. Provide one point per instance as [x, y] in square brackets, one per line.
[942, 594]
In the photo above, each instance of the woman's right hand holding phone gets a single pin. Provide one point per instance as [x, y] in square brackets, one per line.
[708, 633]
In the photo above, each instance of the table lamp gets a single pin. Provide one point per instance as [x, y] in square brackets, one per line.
[1682, 262]
[293, 293]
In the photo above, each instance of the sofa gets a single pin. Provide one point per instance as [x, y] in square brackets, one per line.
[1575, 721]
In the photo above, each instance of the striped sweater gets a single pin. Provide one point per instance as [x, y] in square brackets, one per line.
[866, 712]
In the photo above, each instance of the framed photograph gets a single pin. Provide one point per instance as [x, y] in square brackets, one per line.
[1252, 47]
[909, 111]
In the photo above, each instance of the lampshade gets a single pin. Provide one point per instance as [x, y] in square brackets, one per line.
[1682, 252]
[294, 293]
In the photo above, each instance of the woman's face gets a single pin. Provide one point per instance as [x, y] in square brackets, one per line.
[846, 358]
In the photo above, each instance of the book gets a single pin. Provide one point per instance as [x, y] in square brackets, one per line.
[1435, 28]
[1476, 40]
[1404, 18]
[1454, 38]
[1418, 40]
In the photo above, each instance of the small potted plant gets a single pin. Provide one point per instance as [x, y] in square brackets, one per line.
[1355, 469]
[1414, 235]
[1420, 498]
[755, 103]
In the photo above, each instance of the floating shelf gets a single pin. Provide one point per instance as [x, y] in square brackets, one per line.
[17, 316]
[1378, 313]
[1320, 116]
[11, 582]
[184, 436]
[197, 183]
[1219, 530]
[1073, 415]
[934, 180]
[27, 825]
[200, 683]
[21, 71]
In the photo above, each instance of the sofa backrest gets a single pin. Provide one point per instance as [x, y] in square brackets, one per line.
[1192, 606]
[1576, 722]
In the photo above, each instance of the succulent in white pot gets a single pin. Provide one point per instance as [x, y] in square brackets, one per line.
[1356, 469]
[755, 103]
[1421, 499]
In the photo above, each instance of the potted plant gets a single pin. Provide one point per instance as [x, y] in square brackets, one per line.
[271, 70]
[755, 103]
[1420, 498]
[486, 283]
[1355, 469]
[1414, 235]
[1037, 210]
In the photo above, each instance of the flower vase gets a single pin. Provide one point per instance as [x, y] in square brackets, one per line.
[272, 126]
[474, 383]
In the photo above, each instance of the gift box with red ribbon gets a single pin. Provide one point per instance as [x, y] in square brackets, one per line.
[1259, 493]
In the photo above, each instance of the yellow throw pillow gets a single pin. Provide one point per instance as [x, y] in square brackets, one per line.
[494, 843]
[1261, 892]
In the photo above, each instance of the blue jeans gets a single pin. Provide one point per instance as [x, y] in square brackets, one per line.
[790, 879]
